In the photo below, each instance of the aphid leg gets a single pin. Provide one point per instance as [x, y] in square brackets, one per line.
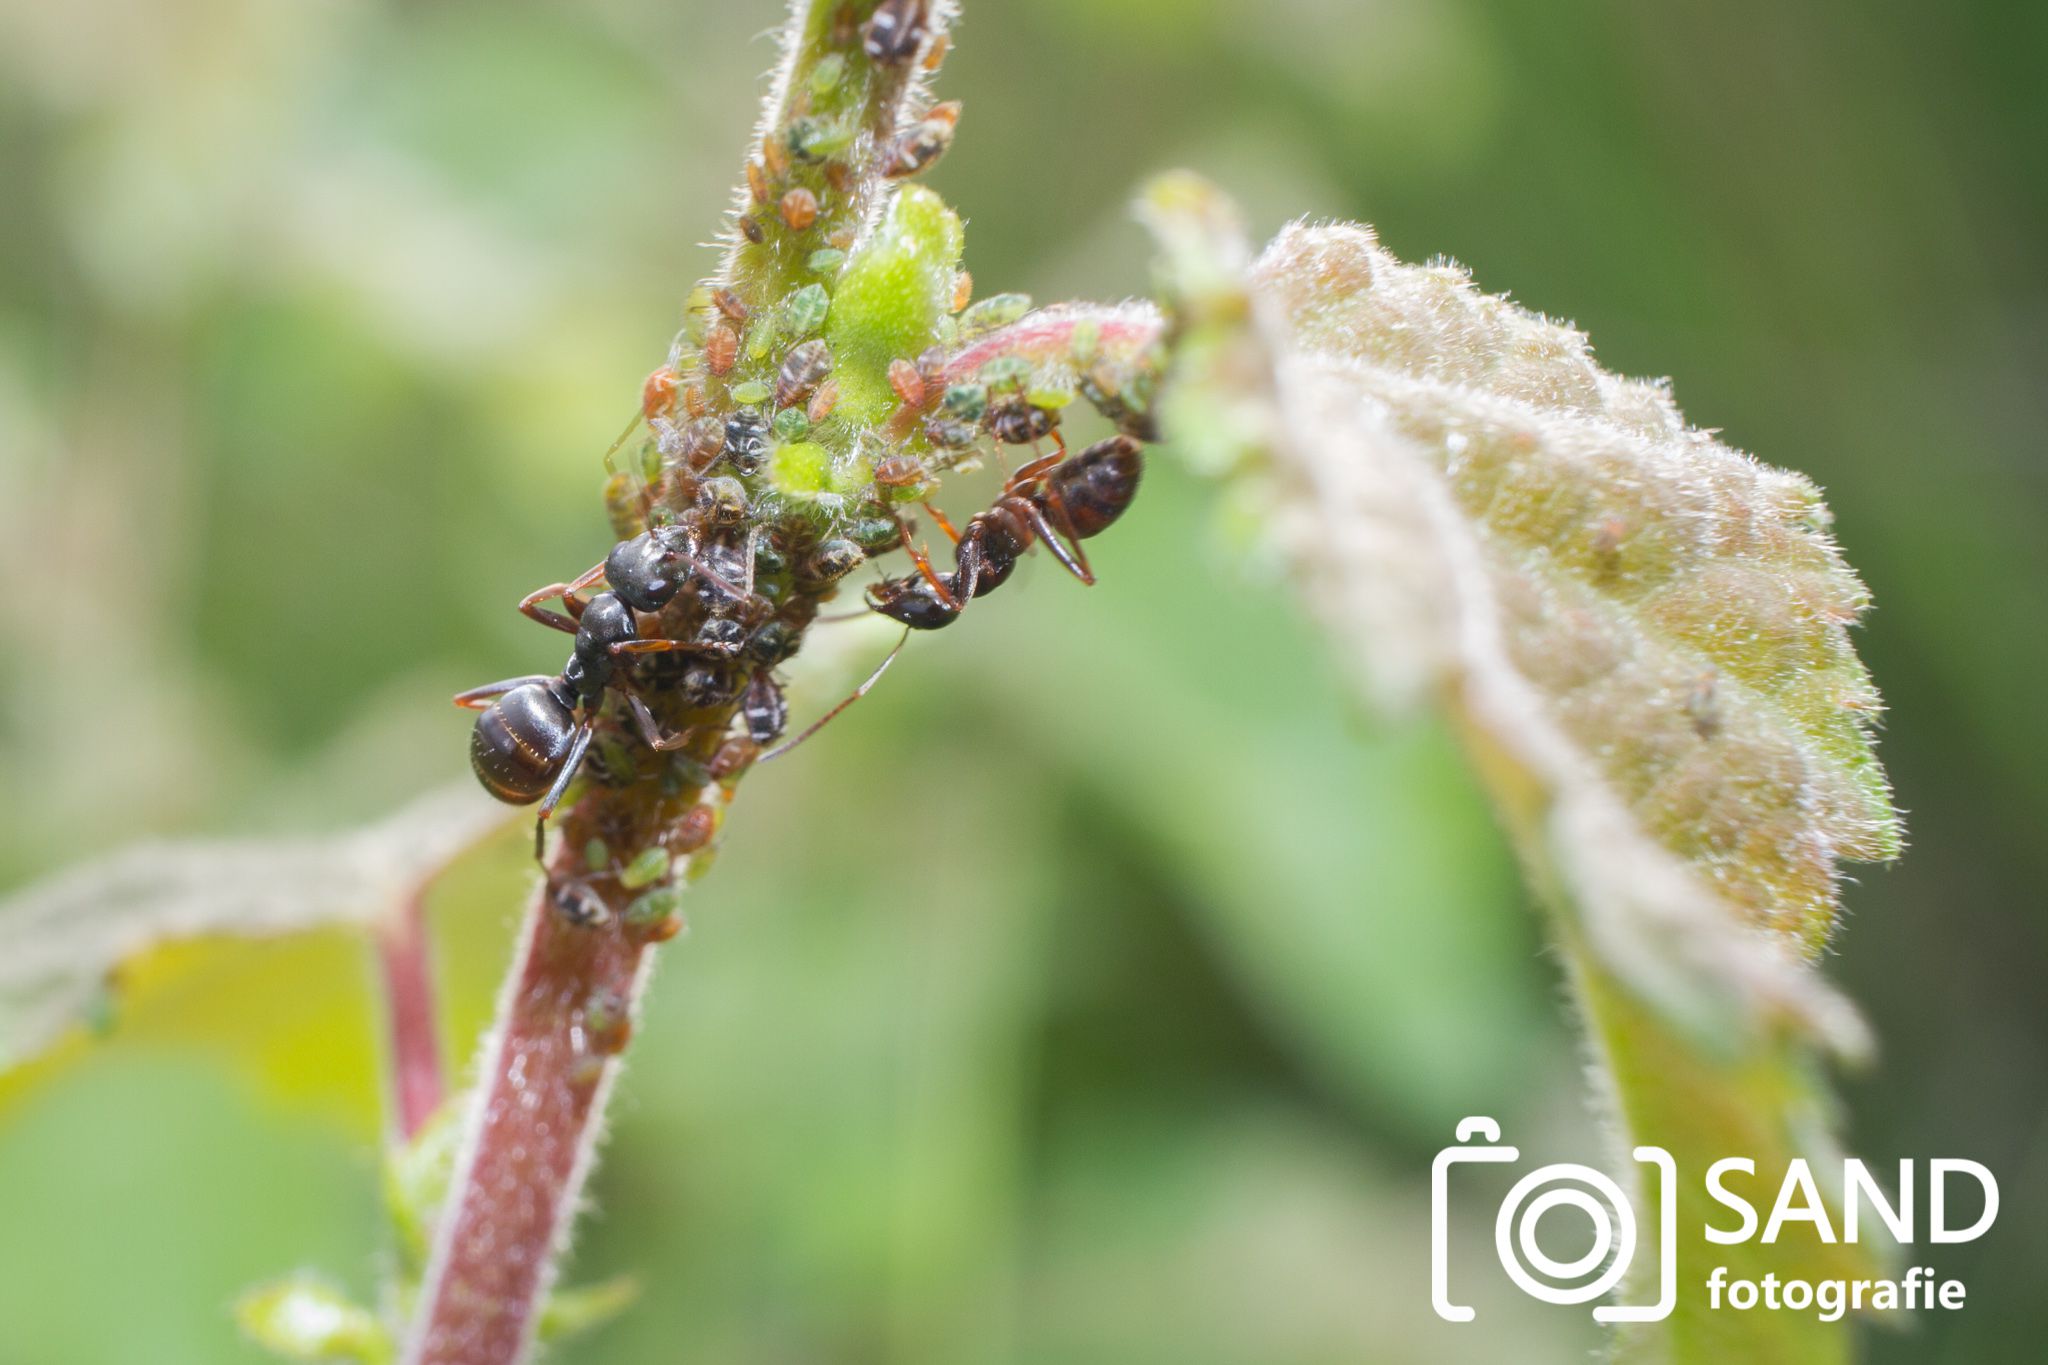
[477, 698]
[924, 566]
[1076, 561]
[622, 438]
[651, 731]
[530, 604]
[858, 692]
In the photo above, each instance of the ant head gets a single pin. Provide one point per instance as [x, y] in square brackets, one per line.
[644, 571]
[912, 602]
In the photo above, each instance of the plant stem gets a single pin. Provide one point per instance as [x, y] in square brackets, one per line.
[417, 1081]
[564, 1016]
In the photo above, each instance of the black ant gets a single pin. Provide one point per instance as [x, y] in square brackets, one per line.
[1057, 495]
[534, 730]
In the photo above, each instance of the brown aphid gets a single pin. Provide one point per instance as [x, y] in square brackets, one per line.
[839, 176]
[1702, 705]
[695, 828]
[750, 228]
[776, 155]
[730, 304]
[842, 236]
[937, 54]
[694, 401]
[908, 383]
[658, 393]
[734, 757]
[721, 348]
[757, 182]
[1607, 537]
[799, 209]
[931, 367]
[924, 143]
[900, 471]
[703, 441]
[1016, 422]
[963, 290]
[844, 23]
[823, 401]
[895, 31]
[802, 370]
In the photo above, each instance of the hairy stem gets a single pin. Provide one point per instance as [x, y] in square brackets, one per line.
[565, 1013]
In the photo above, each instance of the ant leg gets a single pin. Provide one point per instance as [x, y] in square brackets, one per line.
[1031, 472]
[530, 604]
[577, 748]
[944, 525]
[476, 698]
[1076, 561]
[661, 646]
[858, 692]
[651, 732]
[924, 566]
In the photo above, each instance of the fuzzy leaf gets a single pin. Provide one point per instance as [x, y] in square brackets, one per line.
[71, 933]
[1640, 633]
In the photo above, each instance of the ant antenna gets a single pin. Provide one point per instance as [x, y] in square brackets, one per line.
[858, 692]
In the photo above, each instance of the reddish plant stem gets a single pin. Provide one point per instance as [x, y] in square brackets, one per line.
[562, 1022]
[418, 1083]
[564, 1015]
[1049, 334]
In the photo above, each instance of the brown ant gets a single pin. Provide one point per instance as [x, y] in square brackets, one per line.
[1056, 498]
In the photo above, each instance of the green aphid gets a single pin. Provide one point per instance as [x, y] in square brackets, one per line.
[814, 139]
[804, 311]
[825, 259]
[760, 339]
[1051, 399]
[654, 907]
[751, 392]
[968, 402]
[826, 75]
[875, 535]
[645, 870]
[597, 855]
[997, 310]
[1086, 339]
[790, 424]
[622, 505]
[1005, 369]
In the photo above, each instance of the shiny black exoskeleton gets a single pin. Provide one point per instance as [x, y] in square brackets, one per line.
[1076, 497]
[534, 731]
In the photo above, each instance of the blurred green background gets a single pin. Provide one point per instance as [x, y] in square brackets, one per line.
[1100, 989]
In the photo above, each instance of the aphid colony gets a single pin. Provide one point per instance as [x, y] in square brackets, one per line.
[742, 517]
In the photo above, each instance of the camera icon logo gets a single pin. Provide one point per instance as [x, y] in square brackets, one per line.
[1565, 1184]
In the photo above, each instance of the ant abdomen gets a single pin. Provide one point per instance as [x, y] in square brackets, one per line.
[1091, 490]
[522, 740]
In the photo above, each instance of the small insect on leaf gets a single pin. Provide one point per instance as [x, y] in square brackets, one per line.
[799, 209]
[805, 311]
